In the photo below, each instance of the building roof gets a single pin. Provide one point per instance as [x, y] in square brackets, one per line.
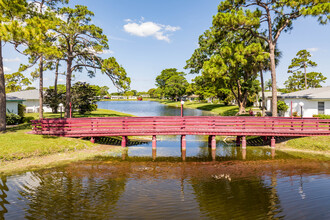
[269, 94]
[26, 95]
[13, 99]
[314, 93]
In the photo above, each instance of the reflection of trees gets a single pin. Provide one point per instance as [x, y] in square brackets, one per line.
[82, 192]
[3, 196]
[241, 198]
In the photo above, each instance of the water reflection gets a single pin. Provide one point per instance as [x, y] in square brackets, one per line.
[156, 190]
[3, 196]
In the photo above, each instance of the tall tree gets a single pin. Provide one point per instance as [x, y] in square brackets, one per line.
[267, 20]
[297, 81]
[40, 45]
[301, 61]
[81, 42]
[229, 59]
[11, 14]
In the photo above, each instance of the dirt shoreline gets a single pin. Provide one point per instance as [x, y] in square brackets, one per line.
[53, 160]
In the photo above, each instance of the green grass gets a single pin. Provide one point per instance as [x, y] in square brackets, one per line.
[220, 109]
[17, 144]
[97, 113]
[317, 143]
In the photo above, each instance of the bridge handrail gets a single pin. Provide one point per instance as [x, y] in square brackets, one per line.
[183, 125]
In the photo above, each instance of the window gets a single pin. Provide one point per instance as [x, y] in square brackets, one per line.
[320, 108]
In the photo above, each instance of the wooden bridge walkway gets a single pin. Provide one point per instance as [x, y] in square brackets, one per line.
[188, 125]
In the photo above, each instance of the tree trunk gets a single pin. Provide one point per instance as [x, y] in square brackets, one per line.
[68, 88]
[305, 75]
[262, 93]
[2, 94]
[273, 75]
[41, 88]
[55, 83]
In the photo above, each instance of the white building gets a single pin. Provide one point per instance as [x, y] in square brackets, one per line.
[12, 104]
[268, 98]
[315, 101]
[31, 100]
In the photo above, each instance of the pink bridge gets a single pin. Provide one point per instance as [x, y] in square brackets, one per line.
[187, 125]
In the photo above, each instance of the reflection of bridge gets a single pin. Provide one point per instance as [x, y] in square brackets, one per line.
[188, 125]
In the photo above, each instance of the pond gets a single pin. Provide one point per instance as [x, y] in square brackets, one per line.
[256, 183]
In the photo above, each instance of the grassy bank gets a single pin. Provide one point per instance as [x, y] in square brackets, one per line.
[318, 143]
[219, 109]
[17, 144]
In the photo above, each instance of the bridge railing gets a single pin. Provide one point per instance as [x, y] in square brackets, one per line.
[167, 125]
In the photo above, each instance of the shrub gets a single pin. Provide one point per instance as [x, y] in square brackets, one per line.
[295, 114]
[258, 114]
[13, 119]
[322, 116]
[21, 110]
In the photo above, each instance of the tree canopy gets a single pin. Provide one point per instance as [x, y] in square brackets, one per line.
[171, 83]
[266, 20]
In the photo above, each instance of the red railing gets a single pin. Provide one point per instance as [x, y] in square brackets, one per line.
[189, 125]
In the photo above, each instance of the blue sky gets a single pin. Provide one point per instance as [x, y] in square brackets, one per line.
[147, 36]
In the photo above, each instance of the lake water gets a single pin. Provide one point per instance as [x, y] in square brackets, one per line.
[140, 184]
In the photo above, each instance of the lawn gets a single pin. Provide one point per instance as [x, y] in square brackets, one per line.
[319, 143]
[16, 143]
[220, 109]
[97, 113]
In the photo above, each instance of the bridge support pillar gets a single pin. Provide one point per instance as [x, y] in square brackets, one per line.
[244, 153]
[154, 142]
[213, 142]
[154, 154]
[183, 142]
[93, 140]
[272, 142]
[244, 142]
[238, 141]
[124, 141]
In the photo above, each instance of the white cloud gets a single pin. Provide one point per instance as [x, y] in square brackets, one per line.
[6, 69]
[146, 29]
[313, 49]
[12, 60]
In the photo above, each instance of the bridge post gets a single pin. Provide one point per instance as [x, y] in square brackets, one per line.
[244, 153]
[124, 141]
[154, 142]
[272, 142]
[238, 140]
[213, 142]
[183, 142]
[154, 153]
[244, 142]
[93, 140]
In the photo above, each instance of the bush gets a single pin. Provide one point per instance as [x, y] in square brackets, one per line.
[258, 114]
[295, 114]
[13, 119]
[322, 116]
[21, 110]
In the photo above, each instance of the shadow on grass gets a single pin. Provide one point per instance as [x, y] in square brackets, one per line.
[259, 141]
[50, 137]
[115, 141]
[14, 128]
